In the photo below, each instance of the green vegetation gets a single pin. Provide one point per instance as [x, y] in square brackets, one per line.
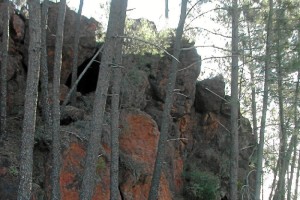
[13, 170]
[201, 185]
[101, 164]
[142, 37]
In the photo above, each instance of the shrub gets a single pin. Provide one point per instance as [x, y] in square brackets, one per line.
[201, 185]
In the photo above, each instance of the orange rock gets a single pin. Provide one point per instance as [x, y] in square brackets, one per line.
[71, 173]
[133, 190]
[139, 138]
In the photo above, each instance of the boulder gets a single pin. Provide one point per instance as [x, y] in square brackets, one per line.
[210, 94]
[138, 145]
[87, 38]
[188, 72]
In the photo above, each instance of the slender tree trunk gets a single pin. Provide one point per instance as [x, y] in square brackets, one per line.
[167, 9]
[293, 164]
[75, 55]
[273, 186]
[259, 166]
[4, 66]
[116, 85]
[44, 70]
[280, 192]
[253, 87]
[153, 194]
[297, 178]
[234, 104]
[295, 139]
[31, 96]
[56, 157]
[116, 24]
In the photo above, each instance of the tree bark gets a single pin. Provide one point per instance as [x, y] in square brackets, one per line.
[265, 104]
[234, 104]
[253, 89]
[297, 178]
[116, 85]
[280, 192]
[153, 194]
[30, 105]
[56, 157]
[116, 24]
[4, 66]
[75, 55]
[44, 70]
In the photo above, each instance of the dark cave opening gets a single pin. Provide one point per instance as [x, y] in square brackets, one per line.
[88, 83]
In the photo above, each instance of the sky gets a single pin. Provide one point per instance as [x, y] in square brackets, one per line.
[154, 10]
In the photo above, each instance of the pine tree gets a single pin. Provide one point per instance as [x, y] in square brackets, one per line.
[31, 96]
[115, 28]
[153, 194]
[234, 103]
[56, 157]
[4, 66]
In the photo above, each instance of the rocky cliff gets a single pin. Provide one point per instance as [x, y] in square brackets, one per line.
[198, 146]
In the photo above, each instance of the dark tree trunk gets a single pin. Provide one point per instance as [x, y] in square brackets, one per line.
[234, 104]
[4, 66]
[44, 70]
[153, 194]
[56, 156]
[259, 169]
[30, 105]
[75, 55]
[115, 28]
[116, 84]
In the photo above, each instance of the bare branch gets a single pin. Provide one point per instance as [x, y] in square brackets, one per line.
[200, 15]
[223, 126]
[79, 78]
[216, 57]
[178, 93]
[217, 95]
[215, 33]
[206, 46]
[191, 65]
[175, 139]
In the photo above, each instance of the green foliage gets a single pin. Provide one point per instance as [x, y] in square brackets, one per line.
[101, 164]
[13, 170]
[201, 185]
[142, 37]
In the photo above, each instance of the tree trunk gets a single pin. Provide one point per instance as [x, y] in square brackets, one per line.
[166, 9]
[153, 194]
[293, 164]
[115, 28]
[295, 141]
[280, 192]
[44, 70]
[75, 55]
[297, 178]
[4, 66]
[56, 157]
[234, 104]
[259, 169]
[116, 85]
[30, 105]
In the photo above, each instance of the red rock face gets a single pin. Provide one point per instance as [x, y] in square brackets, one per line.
[138, 141]
[139, 138]
[71, 173]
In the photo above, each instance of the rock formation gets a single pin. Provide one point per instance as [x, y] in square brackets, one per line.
[199, 132]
